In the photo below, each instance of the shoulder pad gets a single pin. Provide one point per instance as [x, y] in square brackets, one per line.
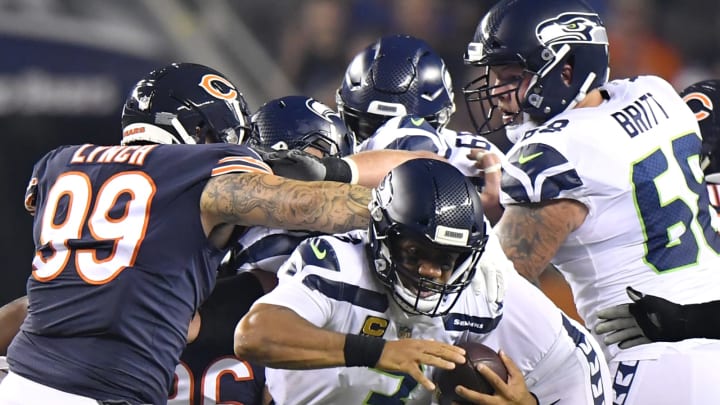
[318, 252]
[538, 172]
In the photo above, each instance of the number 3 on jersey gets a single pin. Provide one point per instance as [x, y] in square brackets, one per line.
[402, 384]
[119, 216]
[666, 206]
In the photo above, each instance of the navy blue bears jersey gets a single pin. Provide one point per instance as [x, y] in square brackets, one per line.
[210, 375]
[121, 264]
[208, 372]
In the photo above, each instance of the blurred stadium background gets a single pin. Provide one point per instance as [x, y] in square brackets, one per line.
[66, 65]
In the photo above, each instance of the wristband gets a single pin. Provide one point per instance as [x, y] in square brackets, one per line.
[493, 168]
[354, 173]
[362, 351]
[337, 169]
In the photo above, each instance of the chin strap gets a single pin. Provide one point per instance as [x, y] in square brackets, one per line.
[583, 91]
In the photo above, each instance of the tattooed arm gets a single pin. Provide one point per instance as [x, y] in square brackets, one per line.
[531, 234]
[249, 199]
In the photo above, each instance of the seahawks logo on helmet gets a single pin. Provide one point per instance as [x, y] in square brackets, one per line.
[321, 110]
[572, 28]
[382, 196]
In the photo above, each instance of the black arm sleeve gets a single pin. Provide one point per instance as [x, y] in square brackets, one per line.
[229, 301]
[703, 320]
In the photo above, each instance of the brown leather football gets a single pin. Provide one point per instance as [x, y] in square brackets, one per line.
[466, 374]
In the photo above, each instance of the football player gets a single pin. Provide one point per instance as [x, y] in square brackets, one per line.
[349, 306]
[402, 76]
[652, 318]
[297, 123]
[208, 370]
[604, 182]
[128, 239]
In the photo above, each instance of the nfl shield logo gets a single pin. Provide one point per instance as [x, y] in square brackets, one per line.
[404, 332]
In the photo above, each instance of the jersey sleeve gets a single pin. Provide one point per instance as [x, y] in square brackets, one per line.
[39, 170]
[311, 269]
[31, 191]
[244, 161]
[538, 172]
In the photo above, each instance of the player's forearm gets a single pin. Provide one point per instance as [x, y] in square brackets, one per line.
[703, 320]
[531, 234]
[276, 202]
[277, 337]
[372, 166]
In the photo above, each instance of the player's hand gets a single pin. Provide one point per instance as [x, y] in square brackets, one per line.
[647, 319]
[488, 163]
[514, 392]
[490, 168]
[294, 164]
[408, 355]
[489, 279]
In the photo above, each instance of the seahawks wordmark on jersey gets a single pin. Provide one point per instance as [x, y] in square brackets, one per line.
[329, 282]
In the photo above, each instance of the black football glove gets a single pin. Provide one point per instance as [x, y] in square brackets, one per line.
[294, 164]
[647, 319]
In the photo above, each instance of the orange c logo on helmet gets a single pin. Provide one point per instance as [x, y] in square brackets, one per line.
[704, 100]
[207, 84]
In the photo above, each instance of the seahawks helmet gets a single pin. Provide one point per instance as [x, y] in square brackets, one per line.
[702, 97]
[296, 122]
[397, 75]
[541, 36]
[185, 103]
[432, 202]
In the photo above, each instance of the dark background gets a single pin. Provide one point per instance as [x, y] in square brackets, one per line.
[66, 65]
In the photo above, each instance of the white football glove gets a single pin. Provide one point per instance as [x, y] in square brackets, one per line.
[489, 280]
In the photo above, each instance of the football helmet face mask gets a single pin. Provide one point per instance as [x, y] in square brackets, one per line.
[432, 205]
[702, 97]
[397, 75]
[185, 103]
[296, 122]
[541, 37]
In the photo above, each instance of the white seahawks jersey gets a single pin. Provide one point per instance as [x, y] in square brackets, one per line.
[407, 133]
[633, 162]
[329, 282]
[265, 248]
[410, 133]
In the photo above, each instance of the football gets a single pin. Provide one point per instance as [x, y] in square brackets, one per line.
[466, 374]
